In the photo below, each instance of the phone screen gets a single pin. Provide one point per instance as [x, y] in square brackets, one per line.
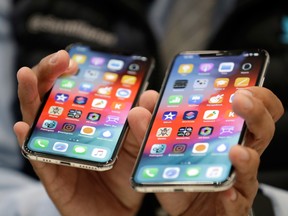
[193, 125]
[83, 118]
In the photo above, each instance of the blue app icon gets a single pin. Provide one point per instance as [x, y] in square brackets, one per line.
[195, 99]
[169, 115]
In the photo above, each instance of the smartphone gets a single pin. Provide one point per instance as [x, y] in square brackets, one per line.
[193, 125]
[82, 121]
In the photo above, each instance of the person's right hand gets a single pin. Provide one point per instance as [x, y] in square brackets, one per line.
[77, 191]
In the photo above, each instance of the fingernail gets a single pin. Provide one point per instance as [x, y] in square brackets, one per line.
[54, 58]
[233, 195]
[243, 154]
[245, 99]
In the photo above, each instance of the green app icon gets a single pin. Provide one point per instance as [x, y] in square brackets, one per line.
[150, 172]
[192, 171]
[67, 84]
[175, 99]
[41, 143]
[77, 149]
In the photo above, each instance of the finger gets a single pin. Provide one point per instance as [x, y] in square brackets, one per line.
[148, 100]
[259, 120]
[28, 93]
[233, 203]
[139, 119]
[245, 162]
[51, 67]
[21, 129]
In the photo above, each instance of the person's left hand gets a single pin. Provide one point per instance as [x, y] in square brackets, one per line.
[260, 108]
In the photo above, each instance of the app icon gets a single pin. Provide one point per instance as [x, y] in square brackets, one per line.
[110, 77]
[221, 148]
[68, 127]
[49, 124]
[227, 130]
[55, 110]
[206, 67]
[99, 153]
[67, 84]
[195, 99]
[91, 74]
[230, 114]
[175, 99]
[99, 103]
[200, 83]
[214, 172]
[97, 61]
[134, 67]
[78, 149]
[216, 99]
[88, 130]
[205, 131]
[192, 171]
[76, 114]
[185, 68]
[111, 119]
[93, 116]
[128, 80]
[242, 82]
[86, 87]
[80, 100]
[60, 97]
[184, 131]
[150, 172]
[115, 64]
[104, 90]
[41, 143]
[123, 93]
[158, 149]
[246, 66]
[171, 172]
[179, 84]
[221, 82]
[179, 148]
[226, 67]
[60, 146]
[211, 114]
[199, 148]
[117, 106]
[79, 58]
[164, 132]
[106, 134]
[169, 115]
[190, 115]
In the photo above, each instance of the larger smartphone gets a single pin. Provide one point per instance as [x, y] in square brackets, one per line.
[193, 125]
[82, 120]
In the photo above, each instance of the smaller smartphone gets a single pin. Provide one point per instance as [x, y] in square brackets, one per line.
[82, 121]
[193, 125]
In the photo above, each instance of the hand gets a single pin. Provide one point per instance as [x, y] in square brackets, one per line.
[77, 191]
[261, 109]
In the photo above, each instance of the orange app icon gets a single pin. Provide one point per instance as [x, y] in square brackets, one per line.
[221, 82]
[242, 82]
[230, 114]
[80, 59]
[127, 79]
[110, 77]
[185, 68]
[117, 106]
[216, 99]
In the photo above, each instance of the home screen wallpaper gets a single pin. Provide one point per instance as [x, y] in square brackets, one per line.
[85, 114]
[194, 126]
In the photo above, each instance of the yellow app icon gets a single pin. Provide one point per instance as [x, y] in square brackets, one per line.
[242, 82]
[221, 82]
[110, 77]
[127, 79]
[80, 59]
[185, 68]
